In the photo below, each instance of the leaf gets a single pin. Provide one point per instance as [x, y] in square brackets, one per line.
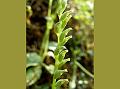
[33, 59]
[64, 15]
[65, 40]
[58, 49]
[50, 54]
[58, 73]
[62, 4]
[60, 82]
[33, 71]
[62, 55]
[58, 28]
[32, 75]
[49, 68]
[43, 86]
[63, 62]
[65, 21]
[64, 33]
[52, 46]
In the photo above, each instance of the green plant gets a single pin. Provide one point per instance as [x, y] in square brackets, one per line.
[41, 62]
[60, 52]
[45, 42]
[34, 60]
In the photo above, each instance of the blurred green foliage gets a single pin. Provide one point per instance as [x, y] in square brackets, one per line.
[39, 70]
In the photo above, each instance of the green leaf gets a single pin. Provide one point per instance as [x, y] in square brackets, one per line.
[58, 28]
[49, 68]
[62, 55]
[52, 46]
[32, 75]
[63, 62]
[64, 15]
[62, 4]
[33, 59]
[60, 82]
[58, 73]
[33, 72]
[64, 33]
[65, 21]
[58, 49]
[43, 86]
[65, 40]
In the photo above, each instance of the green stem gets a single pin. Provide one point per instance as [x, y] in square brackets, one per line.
[74, 74]
[84, 70]
[54, 80]
[53, 83]
[44, 46]
[49, 8]
[74, 68]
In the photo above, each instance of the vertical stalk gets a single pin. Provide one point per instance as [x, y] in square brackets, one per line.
[45, 41]
[56, 68]
[53, 83]
[73, 75]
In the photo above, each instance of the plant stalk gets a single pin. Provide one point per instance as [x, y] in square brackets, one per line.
[44, 46]
[84, 70]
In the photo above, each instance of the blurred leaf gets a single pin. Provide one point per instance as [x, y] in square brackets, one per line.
[32, 75]
[33, 71]
[58, 49]
[58, 73]
[52, 46]
[60, 82]
[65, 21]
[33, 59]
[51, 54]
[61, 7]
[64, 33]
[49, 68]
[43, 86]
[64, 15]
[65, 40]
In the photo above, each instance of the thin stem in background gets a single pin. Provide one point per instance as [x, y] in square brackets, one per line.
[84, 70]
[73, 76]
